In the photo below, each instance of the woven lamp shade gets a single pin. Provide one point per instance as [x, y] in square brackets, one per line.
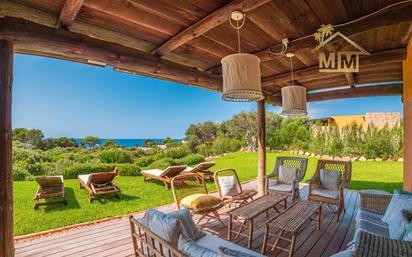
[294, 101]
[241, 78]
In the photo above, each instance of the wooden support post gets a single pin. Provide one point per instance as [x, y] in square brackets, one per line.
[261, 126]
[6, 177]
[407, 120]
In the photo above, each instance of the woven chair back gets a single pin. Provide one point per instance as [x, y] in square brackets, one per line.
[299, 163]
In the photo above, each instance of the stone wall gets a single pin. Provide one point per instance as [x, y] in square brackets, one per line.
[380, 119]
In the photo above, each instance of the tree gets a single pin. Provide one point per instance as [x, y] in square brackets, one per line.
[110, 143]
[29, 136]
[201, 133]
[148, 143]
[169, 142]
[90, 141]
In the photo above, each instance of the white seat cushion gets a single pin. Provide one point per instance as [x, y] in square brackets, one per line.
[213, 243]
[371, 216]
[85, 178]
[326, 193]
[188, 169]
[154, 172]
[281, 187]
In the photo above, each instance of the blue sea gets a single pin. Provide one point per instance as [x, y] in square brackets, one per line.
[130, 142]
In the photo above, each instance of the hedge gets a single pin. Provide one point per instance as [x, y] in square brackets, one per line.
[86, 168]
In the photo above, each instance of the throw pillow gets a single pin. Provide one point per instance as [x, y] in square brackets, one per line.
[407, 236]
[189, 228]
[396, 221]
[329, 179]
[228, 186]
[163, 225]
[200, 201]
[227, 252]
[286, 174]
[189, 248]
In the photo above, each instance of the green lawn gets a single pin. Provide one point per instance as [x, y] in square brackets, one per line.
[137, 195]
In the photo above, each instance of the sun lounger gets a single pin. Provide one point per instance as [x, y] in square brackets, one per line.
[163, 175]
[100, 185]
[202, 169]
[50, 187]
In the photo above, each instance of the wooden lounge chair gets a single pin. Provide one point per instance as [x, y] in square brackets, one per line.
[333, 198]
[100, 185]
[202, 169]
[200, 194]
[236, 195]
[163, 175]
[292, 189]
[50, 187]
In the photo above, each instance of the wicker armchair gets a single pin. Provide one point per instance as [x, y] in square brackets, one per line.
[300, 164]
[345, 169]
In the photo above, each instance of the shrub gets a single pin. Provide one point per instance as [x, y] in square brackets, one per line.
[162, 163]
[146, 161]
[20, 172]
[190, 159]
[204, 149]
[86, 168]
[114, 156]
[226, 145]
[176, 152]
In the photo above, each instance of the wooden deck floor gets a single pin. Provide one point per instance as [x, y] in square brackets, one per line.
[113, 238]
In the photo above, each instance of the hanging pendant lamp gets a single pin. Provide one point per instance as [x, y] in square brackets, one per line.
[241, 71]
[293, 97]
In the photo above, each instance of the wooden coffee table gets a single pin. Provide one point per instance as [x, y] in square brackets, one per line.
[249, 211]
[290, 222]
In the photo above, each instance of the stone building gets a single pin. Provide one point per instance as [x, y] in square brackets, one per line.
[377, 119]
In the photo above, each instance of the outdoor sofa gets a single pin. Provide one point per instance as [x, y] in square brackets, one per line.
[383, 226]
[175, 234]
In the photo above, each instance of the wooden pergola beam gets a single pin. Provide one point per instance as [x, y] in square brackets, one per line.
[37, 39]
[394, 15]
[209, 22]
[6, 176]
[69, 12]
[366, 91]
[407, 119]
[383, 57]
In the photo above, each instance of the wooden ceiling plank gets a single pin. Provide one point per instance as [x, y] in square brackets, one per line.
[69, 12]
[328, 12]
[388, 56]
[382, 90]
[212, 20]
[12, 9]
[29, 37]
[394, 15]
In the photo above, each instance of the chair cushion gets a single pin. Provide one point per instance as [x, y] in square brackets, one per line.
[228, 186]
[407, 236]
[85, 178]
[333, 194]
[153, 172]
[371, 216]
[286, 174]
[189, 228]
[191, 249]
[371, 228]
[396, 221]
[214, 243]
[200, 201]
[163, 225]
[227, 252]
[330, 179]
[281, 187]
[346, 253]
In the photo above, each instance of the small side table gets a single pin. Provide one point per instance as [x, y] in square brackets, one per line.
[290, 221]
[249, 211]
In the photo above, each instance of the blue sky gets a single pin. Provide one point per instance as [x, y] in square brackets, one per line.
[76, 100]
